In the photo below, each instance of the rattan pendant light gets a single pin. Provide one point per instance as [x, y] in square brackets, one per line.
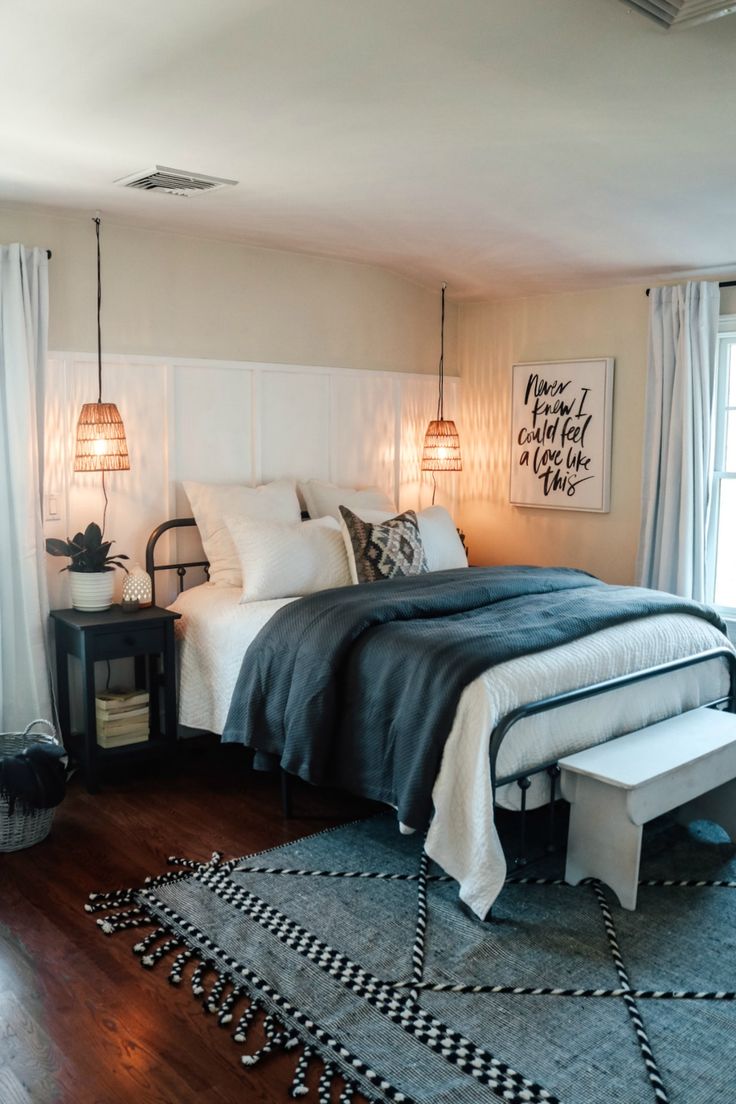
[101, 443]
[441, 441]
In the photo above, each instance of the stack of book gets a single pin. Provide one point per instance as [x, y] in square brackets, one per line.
[122, 717]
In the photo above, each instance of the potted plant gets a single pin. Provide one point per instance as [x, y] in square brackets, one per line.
[90, 568]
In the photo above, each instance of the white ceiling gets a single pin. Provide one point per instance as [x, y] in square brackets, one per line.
[506, 146]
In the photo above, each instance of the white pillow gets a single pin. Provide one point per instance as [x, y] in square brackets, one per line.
[211, 501]
[281, 560]
[324, 499]
[442, 545]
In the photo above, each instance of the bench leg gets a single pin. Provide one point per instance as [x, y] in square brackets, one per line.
[602, 841]
[718, 806]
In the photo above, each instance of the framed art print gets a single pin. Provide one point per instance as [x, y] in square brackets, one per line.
[561, 434]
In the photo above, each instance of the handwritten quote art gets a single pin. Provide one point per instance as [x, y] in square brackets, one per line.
[561, 434]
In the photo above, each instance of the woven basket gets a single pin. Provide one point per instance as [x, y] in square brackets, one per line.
[25, 825]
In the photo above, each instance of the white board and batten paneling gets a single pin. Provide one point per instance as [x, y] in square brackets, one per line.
[239, 422]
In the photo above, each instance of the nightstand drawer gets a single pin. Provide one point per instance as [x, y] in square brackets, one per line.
[127, 642]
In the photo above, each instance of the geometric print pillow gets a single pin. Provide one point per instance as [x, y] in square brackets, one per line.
[383, 550]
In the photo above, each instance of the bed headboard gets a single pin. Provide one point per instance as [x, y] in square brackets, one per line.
[179, 567]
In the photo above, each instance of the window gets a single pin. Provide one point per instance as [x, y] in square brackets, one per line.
[722, 522]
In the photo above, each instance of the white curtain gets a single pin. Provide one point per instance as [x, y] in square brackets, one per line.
[24, 666]
[683, 332]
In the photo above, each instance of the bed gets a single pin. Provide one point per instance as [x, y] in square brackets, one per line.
[519, 717]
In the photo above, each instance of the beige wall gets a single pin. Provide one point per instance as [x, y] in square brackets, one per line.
[492, 337]
[728, 300]
[172, 295]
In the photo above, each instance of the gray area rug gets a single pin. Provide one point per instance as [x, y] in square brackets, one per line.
[353, 949]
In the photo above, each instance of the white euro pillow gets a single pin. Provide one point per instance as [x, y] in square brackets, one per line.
[442, 545]
[325, 499]
[210, 502]
[443, 548]
[281, 560]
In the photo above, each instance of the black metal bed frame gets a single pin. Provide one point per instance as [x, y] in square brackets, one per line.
[180, 568]
[556, 701]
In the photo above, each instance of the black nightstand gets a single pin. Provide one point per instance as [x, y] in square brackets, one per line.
[144, 636]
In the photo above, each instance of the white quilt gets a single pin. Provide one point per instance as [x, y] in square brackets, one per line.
[462, 837]
[215, 631]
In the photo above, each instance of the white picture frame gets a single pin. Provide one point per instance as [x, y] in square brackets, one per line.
[561, 415]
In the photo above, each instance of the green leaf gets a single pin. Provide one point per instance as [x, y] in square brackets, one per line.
[56, 547]
[87, 551]
[115, 563]
[93, 535]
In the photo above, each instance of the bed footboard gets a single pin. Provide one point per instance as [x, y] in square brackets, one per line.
[523, 778]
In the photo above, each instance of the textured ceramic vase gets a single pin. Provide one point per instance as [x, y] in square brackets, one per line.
[92, 590]
[137, 587]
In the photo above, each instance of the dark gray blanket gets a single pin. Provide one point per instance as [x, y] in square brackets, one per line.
[358, 687]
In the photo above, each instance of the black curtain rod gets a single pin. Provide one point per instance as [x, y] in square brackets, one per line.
[723, 283]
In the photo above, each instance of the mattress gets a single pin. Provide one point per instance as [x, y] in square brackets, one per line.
[215, 631]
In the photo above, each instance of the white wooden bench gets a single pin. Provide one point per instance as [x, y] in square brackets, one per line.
[686, 763]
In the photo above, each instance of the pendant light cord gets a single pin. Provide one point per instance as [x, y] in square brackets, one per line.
[105, 510]
[96, 221]
[441, 396]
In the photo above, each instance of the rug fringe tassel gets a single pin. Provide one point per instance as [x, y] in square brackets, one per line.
[142, 945]
[190, 864]
[277, 1038]
[329, 1077]
[324, 1088]
[120, 921]
[299, 1080]
[98, 902]
[177, 966]
[225, 1014]
[199, 971]
[212, 1003]
[348, 1092]
[240, 1034]
[152, 959]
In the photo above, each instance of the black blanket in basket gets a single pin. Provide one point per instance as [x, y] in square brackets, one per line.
[34, 777]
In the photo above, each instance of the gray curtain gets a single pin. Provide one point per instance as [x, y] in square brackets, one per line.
[683, 332]
[24, 667]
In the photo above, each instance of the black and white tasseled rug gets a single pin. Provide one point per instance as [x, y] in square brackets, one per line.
[352, 949]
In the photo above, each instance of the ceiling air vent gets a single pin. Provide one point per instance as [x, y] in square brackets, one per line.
[681, 13]
[176, 182]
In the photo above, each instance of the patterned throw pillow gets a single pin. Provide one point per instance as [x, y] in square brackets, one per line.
[383, 550]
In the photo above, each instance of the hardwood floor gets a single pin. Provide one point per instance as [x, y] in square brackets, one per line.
[80, 1021]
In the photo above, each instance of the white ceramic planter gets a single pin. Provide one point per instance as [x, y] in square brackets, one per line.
[92, 590]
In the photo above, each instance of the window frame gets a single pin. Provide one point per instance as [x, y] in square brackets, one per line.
[726, 341]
